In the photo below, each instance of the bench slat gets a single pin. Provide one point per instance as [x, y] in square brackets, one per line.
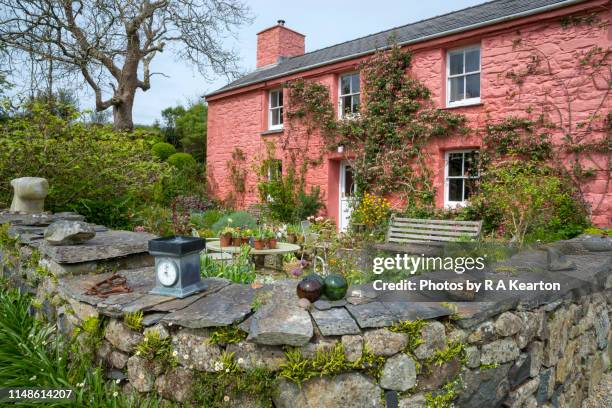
[436, 227]
[416, 241]
[393, 237]
[395, 231]
[444, 222]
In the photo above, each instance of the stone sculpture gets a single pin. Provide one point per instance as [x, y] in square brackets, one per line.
[29, 195]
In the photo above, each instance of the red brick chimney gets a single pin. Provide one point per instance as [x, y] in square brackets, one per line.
[278, 42]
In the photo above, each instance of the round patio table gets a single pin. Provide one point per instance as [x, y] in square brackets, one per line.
[259, 254]
[281, 248]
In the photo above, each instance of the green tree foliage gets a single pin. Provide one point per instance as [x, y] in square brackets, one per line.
[186, 128]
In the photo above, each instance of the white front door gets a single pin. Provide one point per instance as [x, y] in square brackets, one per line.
[347, 192]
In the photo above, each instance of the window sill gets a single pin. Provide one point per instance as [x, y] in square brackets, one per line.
[466, 105]
[272, 132]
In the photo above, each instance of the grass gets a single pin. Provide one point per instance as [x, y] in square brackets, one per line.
[133, 320]
[34, 354]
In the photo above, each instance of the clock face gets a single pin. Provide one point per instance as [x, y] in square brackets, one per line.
[167, 273]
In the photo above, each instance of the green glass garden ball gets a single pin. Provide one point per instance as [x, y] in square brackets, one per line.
[335, 286]
[315, 277]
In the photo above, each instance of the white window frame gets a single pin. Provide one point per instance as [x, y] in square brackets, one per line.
[464, 202]
[351, 94]
[465, 101]
[272, 109]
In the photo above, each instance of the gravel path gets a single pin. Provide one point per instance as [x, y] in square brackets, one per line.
[603, 394]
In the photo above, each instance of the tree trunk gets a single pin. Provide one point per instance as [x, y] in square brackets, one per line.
[122, 116]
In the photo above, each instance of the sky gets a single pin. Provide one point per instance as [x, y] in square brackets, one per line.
[323, 22]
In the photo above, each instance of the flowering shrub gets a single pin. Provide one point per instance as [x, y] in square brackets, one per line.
[373, 211]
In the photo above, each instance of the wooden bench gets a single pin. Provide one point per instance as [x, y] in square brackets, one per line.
[406, 234]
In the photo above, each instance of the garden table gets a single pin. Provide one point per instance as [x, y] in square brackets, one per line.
[259, 254]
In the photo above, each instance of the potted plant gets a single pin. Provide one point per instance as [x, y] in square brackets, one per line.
[259, 241]
[271, 239]
[225, 236]
[246, 236]
[292, 233]
[237, 238]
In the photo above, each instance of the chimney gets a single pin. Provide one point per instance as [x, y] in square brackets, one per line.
[278, 42]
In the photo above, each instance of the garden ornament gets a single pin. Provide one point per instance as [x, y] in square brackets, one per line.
[29, 195]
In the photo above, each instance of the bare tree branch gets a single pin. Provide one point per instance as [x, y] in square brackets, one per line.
[115, 41]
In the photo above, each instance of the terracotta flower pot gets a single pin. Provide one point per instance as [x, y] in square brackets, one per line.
[236, 241]
[272, 243]
[225, 240]
[259, 244]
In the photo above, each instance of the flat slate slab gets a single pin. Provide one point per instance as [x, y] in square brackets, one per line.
[373, 314]
[227, 306]
[335, 322]
[42, 219]
[140, 280]
[105, 245]
[323, 304]
[212, 285]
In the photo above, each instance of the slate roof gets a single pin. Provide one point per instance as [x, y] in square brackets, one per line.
[462, 20]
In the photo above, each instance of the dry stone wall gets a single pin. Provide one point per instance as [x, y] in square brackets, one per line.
[517, 352]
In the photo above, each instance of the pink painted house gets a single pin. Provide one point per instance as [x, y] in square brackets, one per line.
[462, 57]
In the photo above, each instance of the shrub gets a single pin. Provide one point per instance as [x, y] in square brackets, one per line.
[80, 161]
[113, 213]
[524, 198]
[182, 161]
[287, 200]
[206, 219]
[236, 219]
[373, 212]
[163, 150]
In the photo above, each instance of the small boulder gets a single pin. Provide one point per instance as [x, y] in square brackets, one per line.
[142, 373]
[121, 336]
[434, 338]
[383, 342]
[399, 373]
[175, 385]
[508, 324]
[65, 232]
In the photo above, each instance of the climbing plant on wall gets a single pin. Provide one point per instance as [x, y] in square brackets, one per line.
[387, 139]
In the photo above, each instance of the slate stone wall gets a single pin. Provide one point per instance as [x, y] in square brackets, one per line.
[524, 354]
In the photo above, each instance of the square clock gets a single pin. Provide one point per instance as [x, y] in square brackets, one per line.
[177, 265]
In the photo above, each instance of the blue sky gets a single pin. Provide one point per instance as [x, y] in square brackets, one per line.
[323, 22]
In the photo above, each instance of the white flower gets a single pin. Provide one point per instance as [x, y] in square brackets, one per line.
[240, 360]
[218, 366]
[226, 398]
[32, 378]
[138, 353]
[146, 339]
[229, 220]
[115, 394]
[186, 356]
[117, 381]
[227, 370]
